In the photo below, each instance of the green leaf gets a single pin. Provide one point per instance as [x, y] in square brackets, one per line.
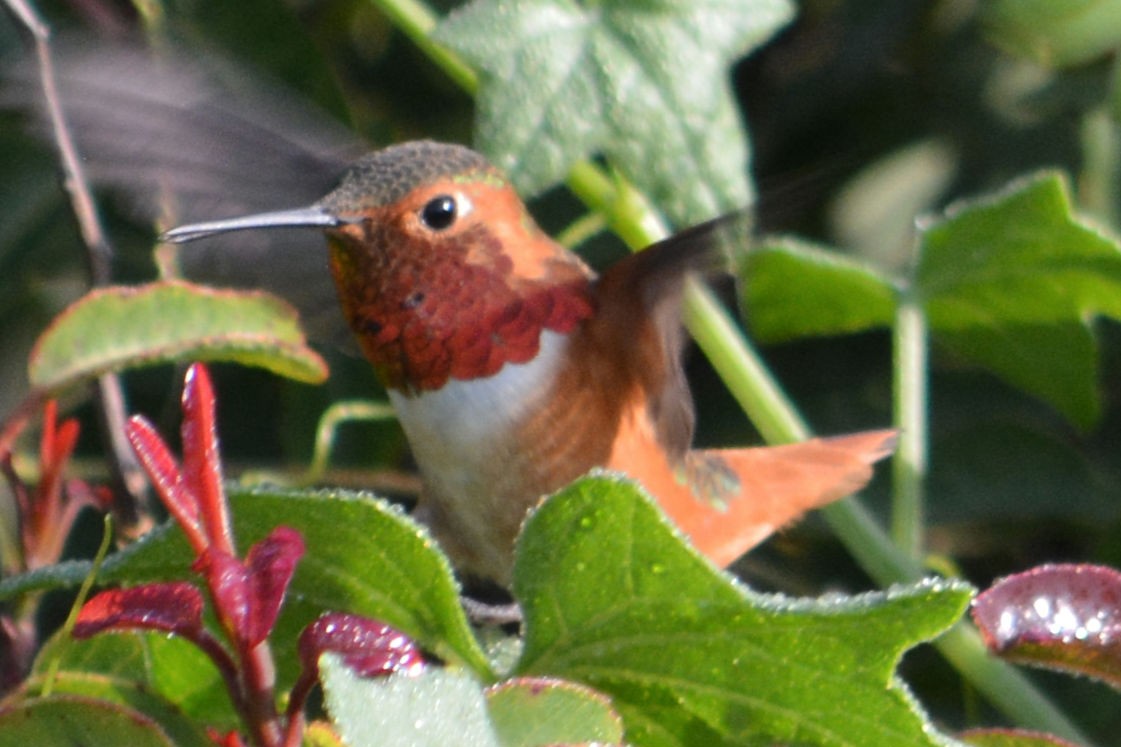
[614, 599]
[154, 664]
[438, 707]
[793, 289]
[110, 329]
[126, 692]
[645, 83]
[526, 712]
[1010, 283]
[64, 575]
[363, 556]
[1056, 33]
[65, 721]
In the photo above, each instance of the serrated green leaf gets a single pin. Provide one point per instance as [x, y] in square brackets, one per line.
[64, 721]
[645, 83]
[1057, 33]
[363, 556]
[110, 329]
[614, 599]
[527, 712]
[438, 707]
[1010, 282]
[793, 289]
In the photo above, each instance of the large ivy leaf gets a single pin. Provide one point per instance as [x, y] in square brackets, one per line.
[1010, 282]
[645, 83]
[110, 329]
[614, 599]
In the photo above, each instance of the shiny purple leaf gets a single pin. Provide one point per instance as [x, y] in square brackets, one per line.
[171, 607]
[272, 562]
[248, 595]
[368, 646]
[1065, 617]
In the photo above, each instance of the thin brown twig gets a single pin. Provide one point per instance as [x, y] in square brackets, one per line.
[99, 253]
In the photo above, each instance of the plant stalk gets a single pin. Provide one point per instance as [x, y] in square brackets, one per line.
[911, 402]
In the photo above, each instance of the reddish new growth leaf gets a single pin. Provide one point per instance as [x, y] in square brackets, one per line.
[47, 511]
[368, 646]
[171, 607]
[1065, 617]
[202, 470]
[248, 595]
[167, 479]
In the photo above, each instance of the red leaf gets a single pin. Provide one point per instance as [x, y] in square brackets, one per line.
[248, 595]
[46, 515]
[272, 561]
[228, 580]
[202, 470]
[1065, 617]
[368, 646]
[167, 478]
[171, 607]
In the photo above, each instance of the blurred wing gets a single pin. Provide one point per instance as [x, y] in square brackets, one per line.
[195, 138]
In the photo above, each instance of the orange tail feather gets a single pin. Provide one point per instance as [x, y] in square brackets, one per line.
[779, 484]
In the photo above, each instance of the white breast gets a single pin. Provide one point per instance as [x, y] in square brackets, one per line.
[457, 432]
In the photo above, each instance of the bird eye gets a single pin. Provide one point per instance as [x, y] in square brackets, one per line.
[439, 212]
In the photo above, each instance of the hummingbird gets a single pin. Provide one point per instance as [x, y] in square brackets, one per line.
[515, 369]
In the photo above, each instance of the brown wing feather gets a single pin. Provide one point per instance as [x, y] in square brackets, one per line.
[639, 302]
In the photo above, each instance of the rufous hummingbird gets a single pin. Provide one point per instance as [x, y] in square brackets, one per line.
[514, 369]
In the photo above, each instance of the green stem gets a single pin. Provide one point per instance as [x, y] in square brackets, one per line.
[417, 21]
[344, 411]
[1101, 161]
[909, 464]
[1005, 686]
[638, 225]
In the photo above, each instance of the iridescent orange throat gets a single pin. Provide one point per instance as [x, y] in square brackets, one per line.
[452, 308]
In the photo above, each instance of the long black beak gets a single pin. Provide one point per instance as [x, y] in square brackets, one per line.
[309, 217]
